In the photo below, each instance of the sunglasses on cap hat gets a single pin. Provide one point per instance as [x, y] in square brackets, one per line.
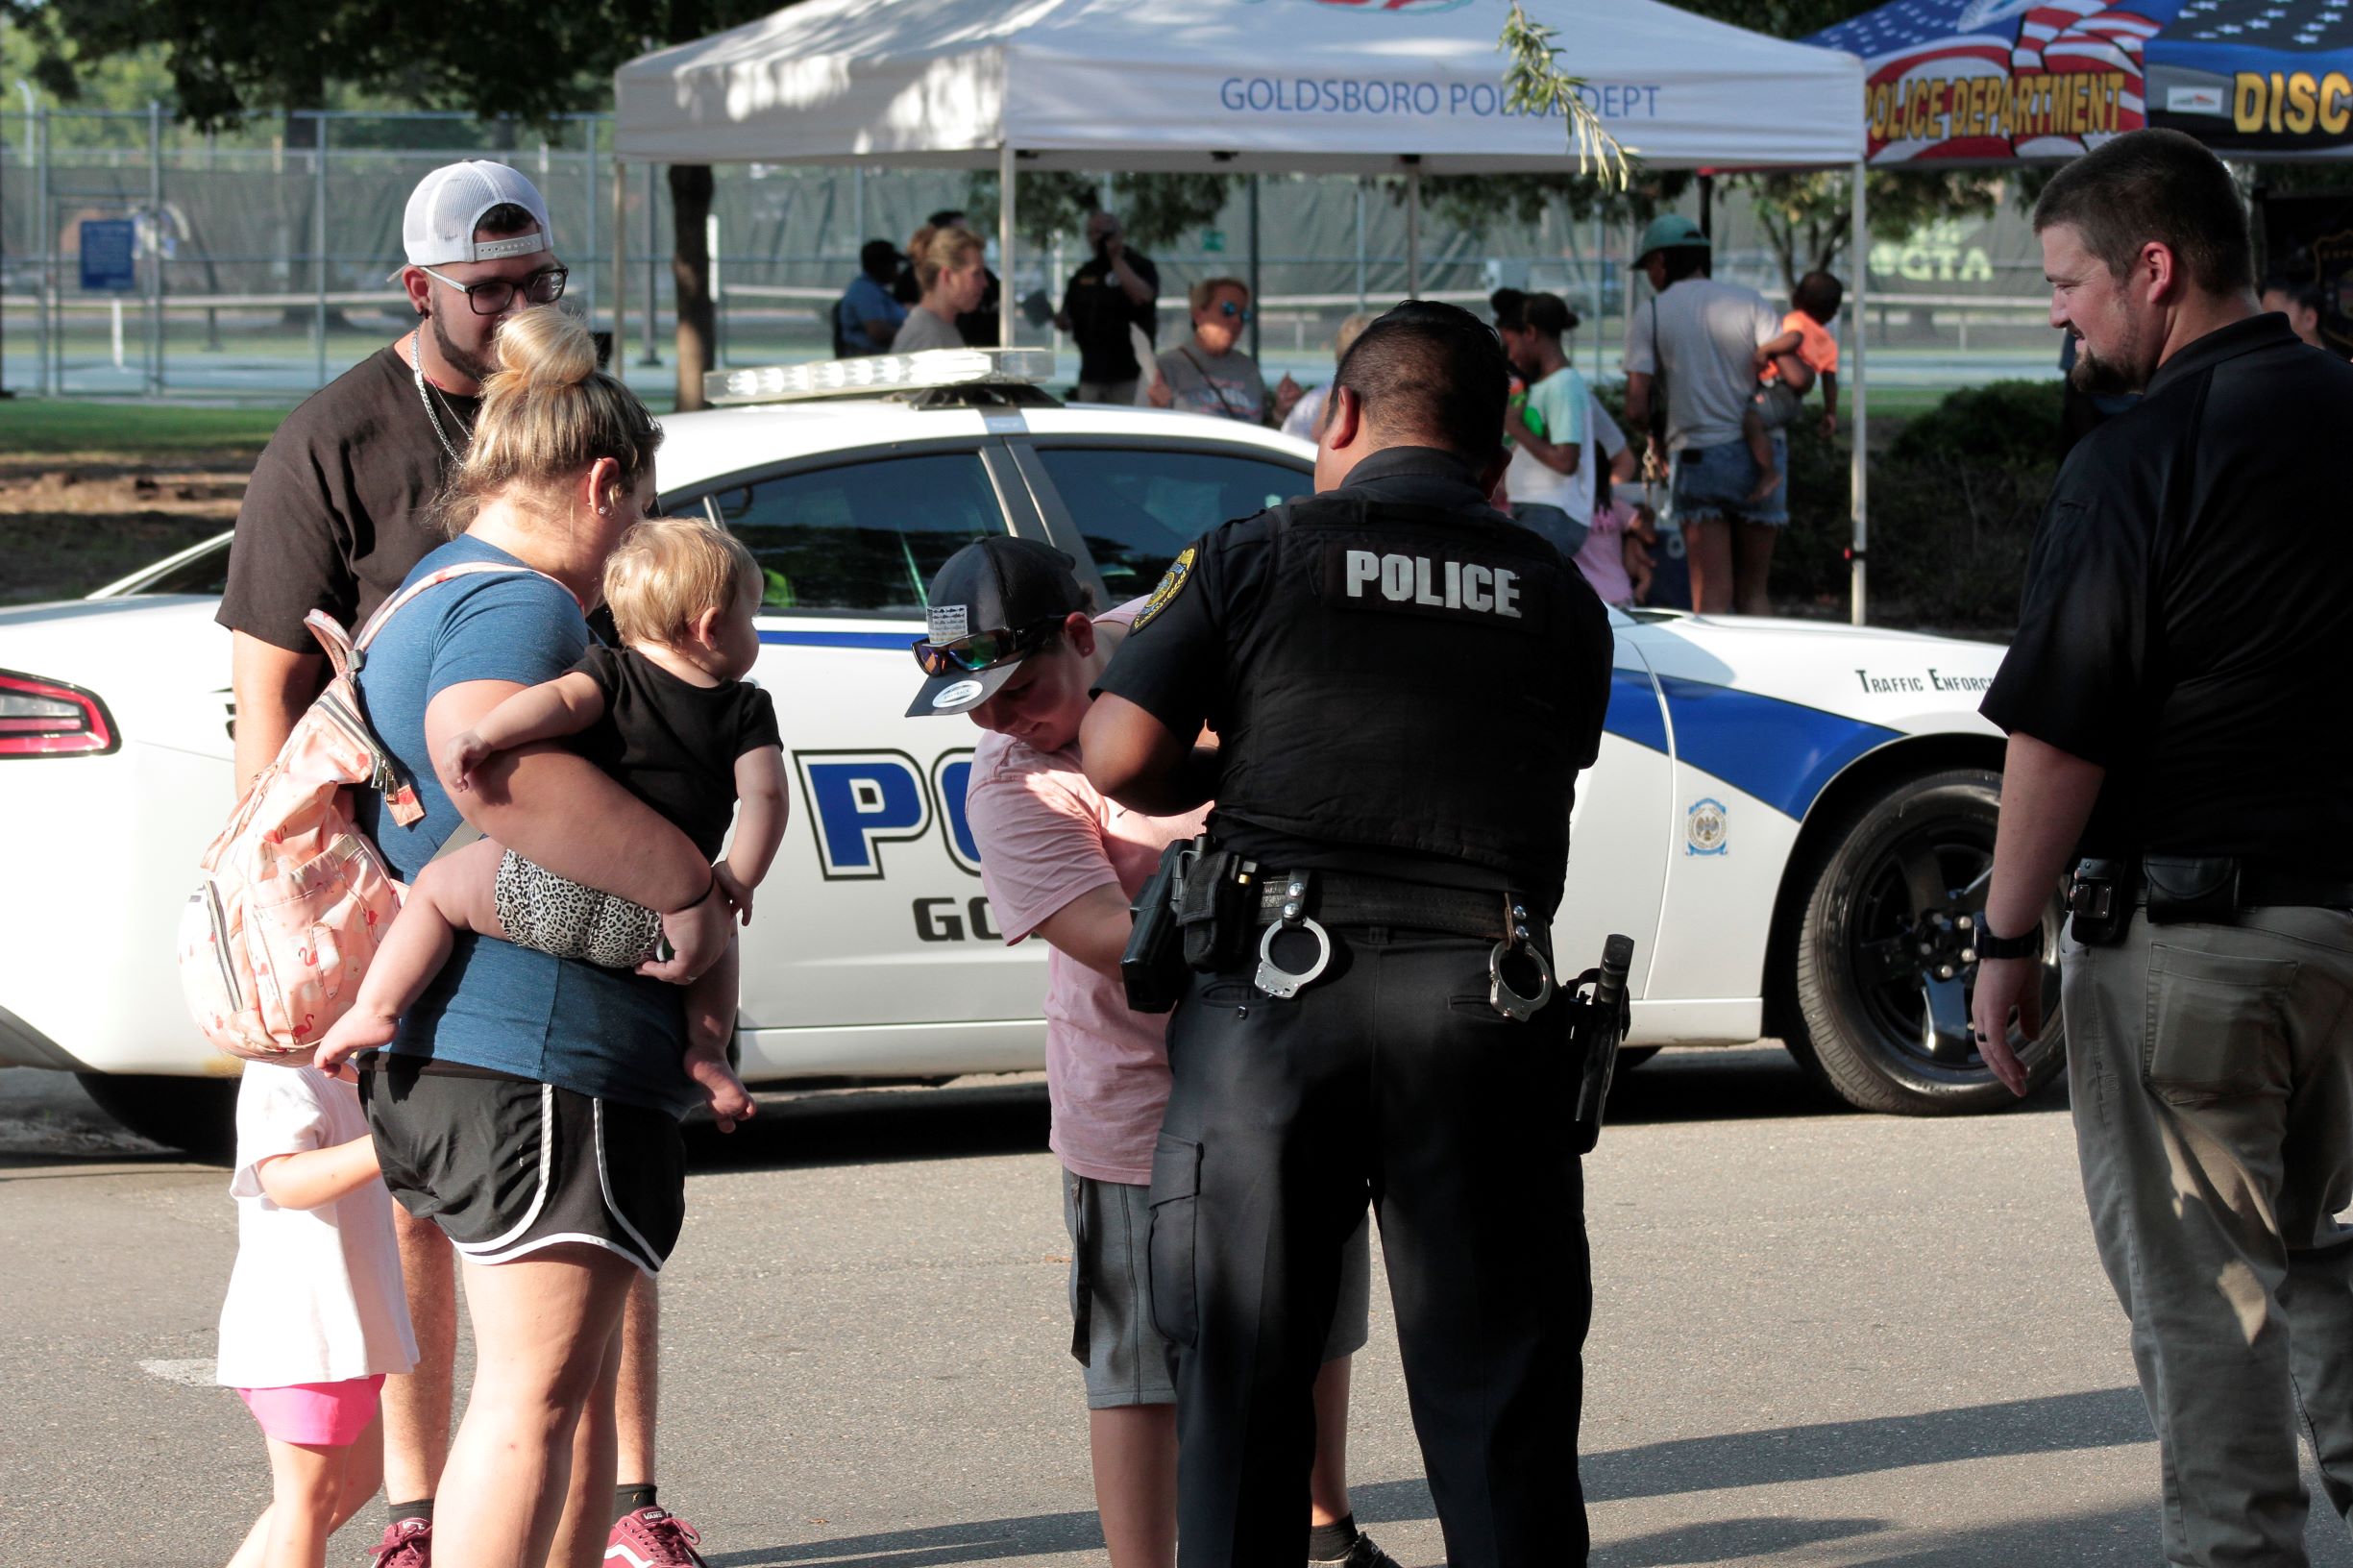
[982, 649]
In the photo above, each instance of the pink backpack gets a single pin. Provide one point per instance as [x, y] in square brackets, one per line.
[293, 898]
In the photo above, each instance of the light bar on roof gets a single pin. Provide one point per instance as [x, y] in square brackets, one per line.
[880, 372]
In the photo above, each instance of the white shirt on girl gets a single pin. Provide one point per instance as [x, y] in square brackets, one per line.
[315, 1296]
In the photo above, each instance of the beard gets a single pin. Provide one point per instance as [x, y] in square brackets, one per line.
[473, 365]
[2099, 373]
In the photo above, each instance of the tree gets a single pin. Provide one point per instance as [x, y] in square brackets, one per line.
[523, 60]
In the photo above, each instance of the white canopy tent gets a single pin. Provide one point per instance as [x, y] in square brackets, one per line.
[1347, 86]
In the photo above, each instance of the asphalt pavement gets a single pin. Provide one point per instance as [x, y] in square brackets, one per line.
[1821, 1339]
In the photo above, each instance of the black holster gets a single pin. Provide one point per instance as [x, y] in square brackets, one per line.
[1152, 966]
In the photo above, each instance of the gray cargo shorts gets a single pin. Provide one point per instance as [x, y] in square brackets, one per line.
[1112, 1334]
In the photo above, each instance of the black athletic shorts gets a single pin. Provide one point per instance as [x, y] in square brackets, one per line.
[507, 1167]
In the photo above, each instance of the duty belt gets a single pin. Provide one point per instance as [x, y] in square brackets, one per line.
[1310, 901]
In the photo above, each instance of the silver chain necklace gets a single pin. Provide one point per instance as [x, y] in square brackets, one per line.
[416, 373]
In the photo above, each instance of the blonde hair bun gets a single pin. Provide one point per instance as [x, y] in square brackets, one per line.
[544, 347]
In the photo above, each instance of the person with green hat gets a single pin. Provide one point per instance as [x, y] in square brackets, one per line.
[1700, 337]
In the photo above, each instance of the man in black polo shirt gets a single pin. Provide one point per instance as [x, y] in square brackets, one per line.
[1117, 290]
[2176, 710]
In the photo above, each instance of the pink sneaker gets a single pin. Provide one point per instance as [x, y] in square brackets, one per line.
[653, 1538]
[407, 1543]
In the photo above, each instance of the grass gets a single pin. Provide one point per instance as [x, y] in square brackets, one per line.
[129, 432]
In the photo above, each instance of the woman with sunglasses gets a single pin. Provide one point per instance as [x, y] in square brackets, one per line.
[1209, 374]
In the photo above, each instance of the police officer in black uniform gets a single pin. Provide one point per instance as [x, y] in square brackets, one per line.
[1404, 685]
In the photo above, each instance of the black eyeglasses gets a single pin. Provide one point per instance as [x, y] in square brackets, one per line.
[1227, 307]
[982, 649]
[493, 295]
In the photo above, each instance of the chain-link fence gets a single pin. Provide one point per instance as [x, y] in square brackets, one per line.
[140, 257]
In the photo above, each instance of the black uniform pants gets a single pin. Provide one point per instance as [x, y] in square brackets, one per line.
[1392, 1079]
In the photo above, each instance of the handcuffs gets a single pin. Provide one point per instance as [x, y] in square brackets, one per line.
[1274, 980]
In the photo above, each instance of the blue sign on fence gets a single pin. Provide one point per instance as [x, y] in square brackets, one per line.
[109, 255]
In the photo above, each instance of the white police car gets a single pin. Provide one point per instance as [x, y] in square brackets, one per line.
[1794, 821]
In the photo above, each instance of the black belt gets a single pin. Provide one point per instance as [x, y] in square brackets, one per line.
[1339, 899]
[2262, 887]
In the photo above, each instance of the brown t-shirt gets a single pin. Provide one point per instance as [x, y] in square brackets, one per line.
[336, 512]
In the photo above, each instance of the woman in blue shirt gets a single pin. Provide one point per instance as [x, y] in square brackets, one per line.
[529, 1105]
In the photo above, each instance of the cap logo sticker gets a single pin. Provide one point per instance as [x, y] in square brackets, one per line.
[1706, 831]
[1171, 583]
[949, 622]
[964, 691]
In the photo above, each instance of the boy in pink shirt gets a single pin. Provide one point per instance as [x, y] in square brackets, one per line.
[1012, 644]
[1787, 366]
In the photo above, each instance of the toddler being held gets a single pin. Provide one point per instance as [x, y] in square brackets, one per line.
[670, 717]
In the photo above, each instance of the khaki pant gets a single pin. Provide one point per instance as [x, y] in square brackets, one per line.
[2212, 1072]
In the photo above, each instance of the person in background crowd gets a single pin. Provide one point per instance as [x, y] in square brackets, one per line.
[1551, 429]
[1700, 338]
[1615, 557]
[948, 263]
[338, 512]
[1805, 352]
[1060, 861]
[975, 324]
[868, 317]
[1209, 374]
[1117, 290]
[2300, 300]
[1309, 412]
[2182, 635]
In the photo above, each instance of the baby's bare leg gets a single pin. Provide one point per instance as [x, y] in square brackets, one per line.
[710, 1025]
[456, 892]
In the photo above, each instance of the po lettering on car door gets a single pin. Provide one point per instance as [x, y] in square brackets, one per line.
[861, 804]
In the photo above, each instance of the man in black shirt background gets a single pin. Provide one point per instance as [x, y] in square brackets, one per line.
[1117, 290]
[2176, 713]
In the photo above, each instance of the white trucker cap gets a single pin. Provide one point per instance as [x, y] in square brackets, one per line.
[447, 205]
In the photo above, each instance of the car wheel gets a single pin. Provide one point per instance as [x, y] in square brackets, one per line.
[197, 1115]
[1885, 959]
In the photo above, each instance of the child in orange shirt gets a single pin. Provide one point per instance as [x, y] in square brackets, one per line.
[1787, 366]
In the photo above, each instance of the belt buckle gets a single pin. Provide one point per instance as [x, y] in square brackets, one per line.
[1272, 978]
[1511, 1004]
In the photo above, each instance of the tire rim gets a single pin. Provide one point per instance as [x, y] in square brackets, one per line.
[1911, 933]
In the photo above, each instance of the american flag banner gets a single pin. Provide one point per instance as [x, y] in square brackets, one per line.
[1991, 81]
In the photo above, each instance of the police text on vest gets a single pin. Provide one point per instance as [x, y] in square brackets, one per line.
[1448, 585]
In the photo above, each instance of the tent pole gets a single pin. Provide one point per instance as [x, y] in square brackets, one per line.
[619, 365]
[1004, 244]
[1859, 473]
[1257, 311]
[1414, 227]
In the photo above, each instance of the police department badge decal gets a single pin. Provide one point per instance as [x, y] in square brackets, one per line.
[1705, 829]
[1171, 583]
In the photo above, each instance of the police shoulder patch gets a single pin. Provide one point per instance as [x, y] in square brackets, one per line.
[1171, 583]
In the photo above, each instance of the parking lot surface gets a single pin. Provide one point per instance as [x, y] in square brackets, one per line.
[1819, 1339]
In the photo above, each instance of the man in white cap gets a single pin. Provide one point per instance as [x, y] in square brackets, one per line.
[336, 513]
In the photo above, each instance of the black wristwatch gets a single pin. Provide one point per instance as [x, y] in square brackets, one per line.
[2029, 944]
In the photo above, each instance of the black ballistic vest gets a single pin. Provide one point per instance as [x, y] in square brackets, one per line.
[1401, 686]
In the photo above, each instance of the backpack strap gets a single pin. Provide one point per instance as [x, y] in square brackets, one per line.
[463, 568]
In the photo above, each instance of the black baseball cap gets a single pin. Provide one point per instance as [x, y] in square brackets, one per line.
[1011, 591]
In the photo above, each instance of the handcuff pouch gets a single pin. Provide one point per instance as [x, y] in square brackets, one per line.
[1211, 911]
[2191, 887]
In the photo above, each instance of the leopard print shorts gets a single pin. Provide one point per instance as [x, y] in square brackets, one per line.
[543, 910]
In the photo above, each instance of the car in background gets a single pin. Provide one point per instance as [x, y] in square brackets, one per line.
[1794, 820]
